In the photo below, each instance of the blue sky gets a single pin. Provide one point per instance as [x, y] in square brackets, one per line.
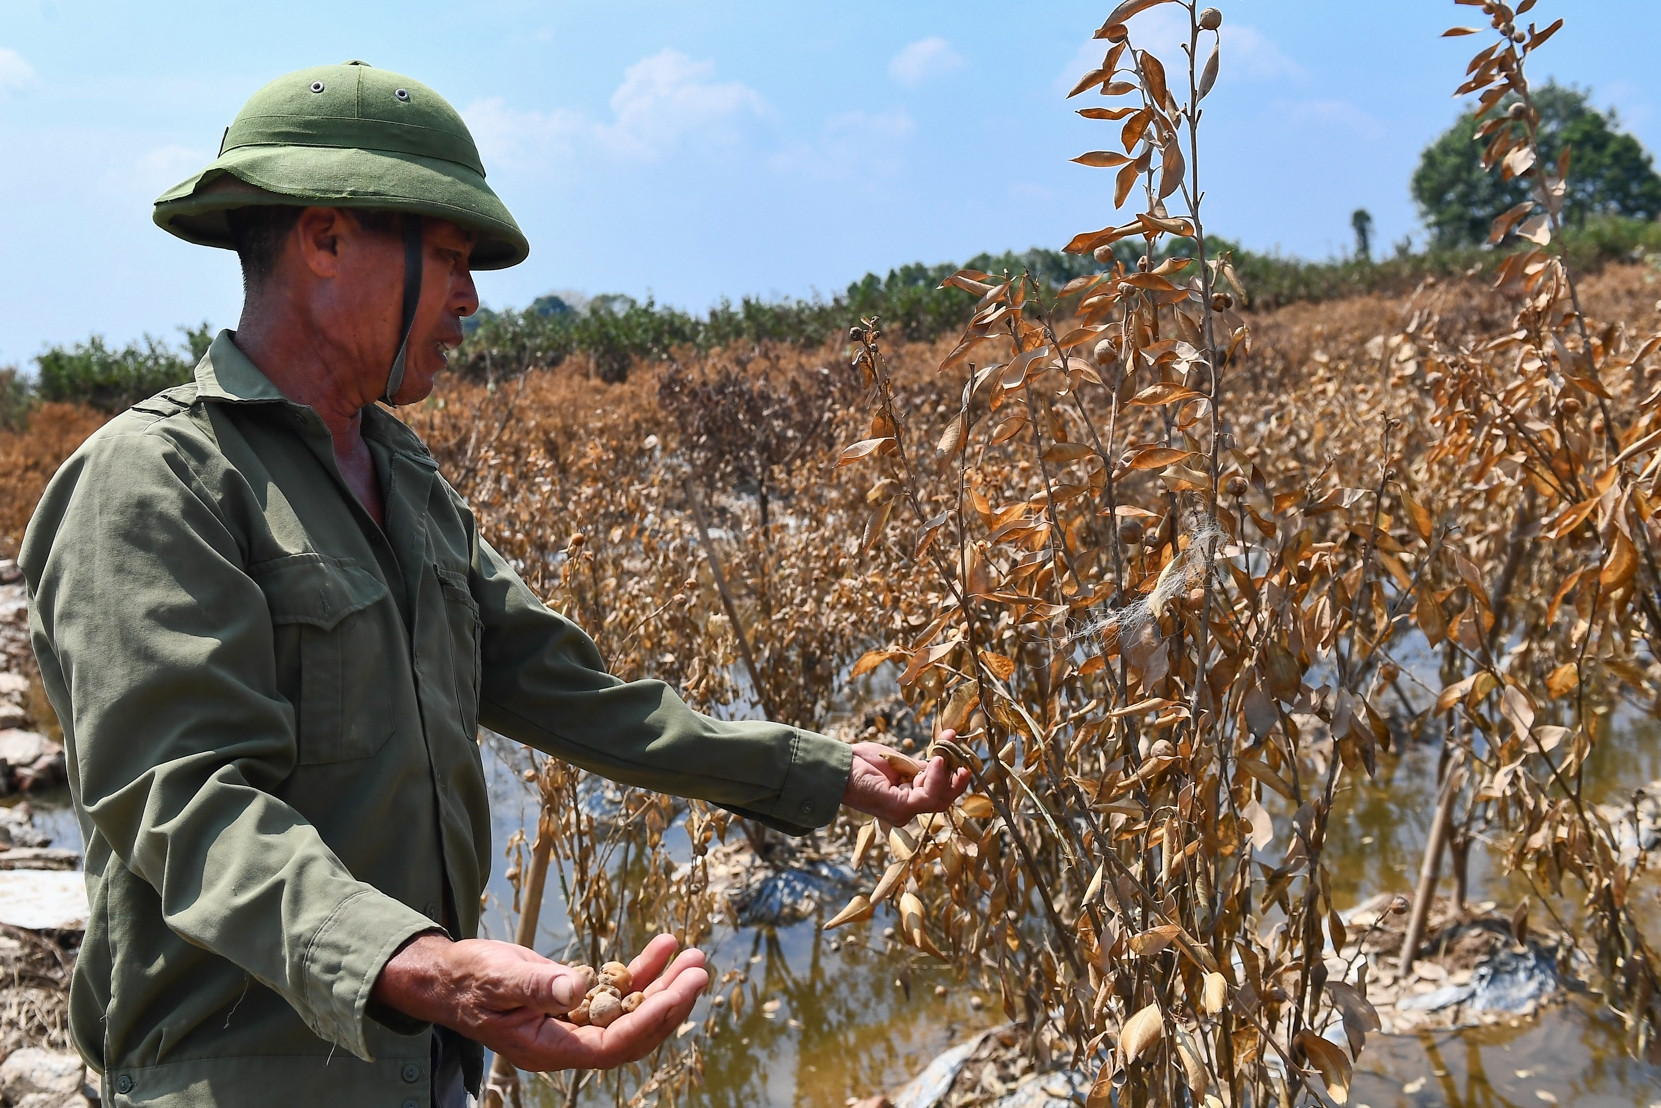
[694, 149]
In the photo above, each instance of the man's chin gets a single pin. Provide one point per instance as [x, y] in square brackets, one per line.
[416, 387]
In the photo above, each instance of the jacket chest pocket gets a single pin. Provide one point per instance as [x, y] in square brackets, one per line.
[465, 634]
[336, 644]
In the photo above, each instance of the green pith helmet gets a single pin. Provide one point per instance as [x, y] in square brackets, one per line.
[347, 136]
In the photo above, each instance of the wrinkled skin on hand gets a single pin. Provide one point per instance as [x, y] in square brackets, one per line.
[507, 997]
[877, 788]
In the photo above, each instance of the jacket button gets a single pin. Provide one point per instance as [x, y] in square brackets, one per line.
[807, 807]
[124, 1084]
[412, 1073]
[410, 1104]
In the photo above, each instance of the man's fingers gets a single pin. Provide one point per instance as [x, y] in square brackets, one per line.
[650, 962]
[933, 791]
[640, 1032]
[689, 959]
[935, 778]
[550, 987]
[947, 784]
[547, 1044]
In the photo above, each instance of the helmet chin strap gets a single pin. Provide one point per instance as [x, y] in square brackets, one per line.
[412, 296]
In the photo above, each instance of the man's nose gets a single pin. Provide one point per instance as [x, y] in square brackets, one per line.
[465, 298]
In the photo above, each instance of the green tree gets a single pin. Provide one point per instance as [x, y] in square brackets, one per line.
[1361, 222]
[1610, 172]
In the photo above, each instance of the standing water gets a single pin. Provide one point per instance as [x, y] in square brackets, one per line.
[830, 1016]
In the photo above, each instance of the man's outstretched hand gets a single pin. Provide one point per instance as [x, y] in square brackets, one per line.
[877, 787]
[506, 997]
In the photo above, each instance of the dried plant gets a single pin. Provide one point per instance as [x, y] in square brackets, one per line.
[1175, 581]
[1127, 621]
[1160, 602]
[1543, 545]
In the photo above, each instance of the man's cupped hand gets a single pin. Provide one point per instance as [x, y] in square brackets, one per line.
[507, 997]
[884, 784]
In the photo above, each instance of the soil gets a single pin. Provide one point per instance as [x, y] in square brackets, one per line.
[1458, 942]
[34, 988]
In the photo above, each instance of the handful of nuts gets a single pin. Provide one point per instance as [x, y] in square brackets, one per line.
[609, 995]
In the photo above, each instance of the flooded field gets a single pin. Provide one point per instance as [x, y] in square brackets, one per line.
[857, 1013]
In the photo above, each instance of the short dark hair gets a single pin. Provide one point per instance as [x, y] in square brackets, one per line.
[258, 232]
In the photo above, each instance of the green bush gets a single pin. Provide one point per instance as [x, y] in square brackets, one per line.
[92, 373]
[16, 398]
[616, 330]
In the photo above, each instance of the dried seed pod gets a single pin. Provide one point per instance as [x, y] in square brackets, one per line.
[902, 764]
[578, 1015]
[604, 1009]
[590, 978]
[632, 1001]
[617, 975]
[1211, 19]
[1236, 485]
[1162, 748]
[1130, 532]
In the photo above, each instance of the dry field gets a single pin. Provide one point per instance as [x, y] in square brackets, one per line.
[1177, 576]
[595, 491]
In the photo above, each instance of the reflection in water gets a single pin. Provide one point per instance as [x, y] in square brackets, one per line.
[843, 1027]
[1570, 1056]
[820, 1019]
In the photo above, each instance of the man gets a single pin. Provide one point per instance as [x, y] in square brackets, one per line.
[271, 631]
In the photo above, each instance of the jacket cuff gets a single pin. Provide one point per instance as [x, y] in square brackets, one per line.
[815, 782]
[345, 958]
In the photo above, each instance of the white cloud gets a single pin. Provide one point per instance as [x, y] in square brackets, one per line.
[135, 174]
[1257, 56]
[15, 73]
[666, 101]
[924, 60]
[850, 146]
[508, 137]
[1246, 52]
[162, 167]
[1337, 114]
[668, 98]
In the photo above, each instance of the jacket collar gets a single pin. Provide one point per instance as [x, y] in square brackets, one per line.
[227, 375]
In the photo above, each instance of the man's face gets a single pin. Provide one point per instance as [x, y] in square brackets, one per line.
[447, 296]
[361, 300]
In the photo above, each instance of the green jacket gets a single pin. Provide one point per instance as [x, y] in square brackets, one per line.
[270, 709]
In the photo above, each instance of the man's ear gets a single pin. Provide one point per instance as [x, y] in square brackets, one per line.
[317, 234]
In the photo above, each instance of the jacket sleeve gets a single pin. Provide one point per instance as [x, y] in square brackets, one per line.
[545, 685]
[176, 732]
